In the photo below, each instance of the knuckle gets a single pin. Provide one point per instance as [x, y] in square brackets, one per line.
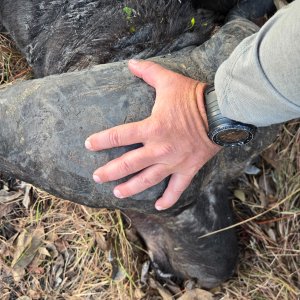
[125, 166]
[146, 181]
[114, 138]
[178, 191]
[180, 188]
[156, 128]
[165, 150]
[149, 65]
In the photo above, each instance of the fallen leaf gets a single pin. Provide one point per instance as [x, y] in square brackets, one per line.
[197, 294]
[165, 294]
[272, 234]
[145, 271]
[5, 209]
[226, 298]
[27, 245]
[27, 196]
[138, 293]
[35, 294]
[239, 194]
[252, 170]
[263, 199]
[57, 271]
[266, 183]
[36, 270]
[60, 253]
[100, 240]
[271, 157]
[117, 273]
[132, 235]
[9, 196]
[44, 251]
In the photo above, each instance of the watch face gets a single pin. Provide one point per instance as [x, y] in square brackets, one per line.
[233, 135]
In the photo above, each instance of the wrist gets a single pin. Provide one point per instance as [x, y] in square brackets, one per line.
[221, 130]
[200, 100]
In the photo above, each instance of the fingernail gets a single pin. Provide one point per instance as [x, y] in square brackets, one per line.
[134, 61]
[97, 179]
[118, 194]
[159, 207]
[88, 145]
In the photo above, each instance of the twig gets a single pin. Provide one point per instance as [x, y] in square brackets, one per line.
[252, 218]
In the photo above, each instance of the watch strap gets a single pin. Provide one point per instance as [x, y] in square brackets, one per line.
[218, 124]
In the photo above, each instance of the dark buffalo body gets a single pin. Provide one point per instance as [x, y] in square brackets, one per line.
[51, 117]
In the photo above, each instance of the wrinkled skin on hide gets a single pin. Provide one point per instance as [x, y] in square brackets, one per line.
[45, 122]
[63, 110]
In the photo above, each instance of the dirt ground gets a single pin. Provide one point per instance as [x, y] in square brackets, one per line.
[54, 249]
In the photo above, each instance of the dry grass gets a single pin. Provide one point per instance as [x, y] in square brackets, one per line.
[73, 254]
[270, 245]
[12, 63]
[54, 249]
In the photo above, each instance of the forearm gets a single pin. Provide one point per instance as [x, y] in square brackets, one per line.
[259, 83]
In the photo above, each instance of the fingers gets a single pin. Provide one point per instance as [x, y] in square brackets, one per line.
[174, 133]
[129, 163]
[149, 71]
[126, 134]
[177, 185]
[142, 181]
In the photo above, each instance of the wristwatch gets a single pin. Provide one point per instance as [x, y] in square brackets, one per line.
[224, 131]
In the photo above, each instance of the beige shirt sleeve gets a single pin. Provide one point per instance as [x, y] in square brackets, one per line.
[260, 82]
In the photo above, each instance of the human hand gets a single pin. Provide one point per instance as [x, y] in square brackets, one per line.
[174, 138]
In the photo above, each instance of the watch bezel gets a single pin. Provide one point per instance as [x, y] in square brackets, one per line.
[215, 132]
[217, 123]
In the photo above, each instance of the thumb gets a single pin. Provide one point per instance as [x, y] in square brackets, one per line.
[149, 71]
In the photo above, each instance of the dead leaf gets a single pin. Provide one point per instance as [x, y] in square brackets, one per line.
[57, 271]
[101, 241]
[27, 245]
[252, 170]
[145, 271]
[189, 284]
[59, 251]
[266, 183]
[239, 194]
[226, 298]
[5, 209]
[5, 294]
[24, 298]
[44, 251]
[36, 270]
[263, 199]
[61, 245]
[27, 196]
[9, 196]
[138, 293]
[271, 157]
[165, 294]
[117, 273]
[52, 250]
[272, 234]
[132, 235]
[35, 294]
[197, 294]
[35, 266]
[173, 288]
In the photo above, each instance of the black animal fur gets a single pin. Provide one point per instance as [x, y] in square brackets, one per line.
[59, 36]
